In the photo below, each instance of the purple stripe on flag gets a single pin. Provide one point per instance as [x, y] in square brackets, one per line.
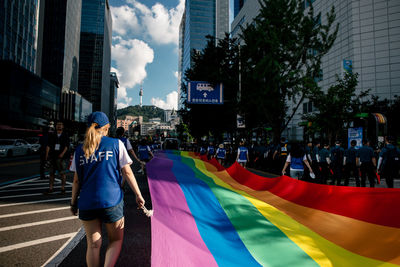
[176, 240]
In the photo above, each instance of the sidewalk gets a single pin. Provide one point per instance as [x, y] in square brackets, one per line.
[136, 248]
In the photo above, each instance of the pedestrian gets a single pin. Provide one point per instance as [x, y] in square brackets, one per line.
[388, 163]
[314, 160]
[337, 157]
[120, 135]
[210, 151]
[145, 154]
[280, 154]
[296, 159]
[43, 141]
[350, 165]
[97, 165]
[308, 152]
[367, 162]
[242, 156]
[56, 153]
[324, 160]
[221, 154]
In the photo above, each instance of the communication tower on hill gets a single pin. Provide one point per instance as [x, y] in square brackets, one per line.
[141, 94]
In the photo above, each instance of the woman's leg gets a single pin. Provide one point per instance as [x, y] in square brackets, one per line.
[115, 233]
[93, 237]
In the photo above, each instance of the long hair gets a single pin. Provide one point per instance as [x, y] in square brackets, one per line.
[92, 138]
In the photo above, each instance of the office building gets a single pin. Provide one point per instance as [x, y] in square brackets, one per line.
[368, 40]
[95, 54]
[200, 18]
[58, 42]
[18, 32]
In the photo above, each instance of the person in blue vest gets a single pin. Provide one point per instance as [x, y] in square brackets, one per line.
[388, 163]
[296, 159]
[280, 154]
[221, 154]
[242, 154]
[120, 135]
[367, 162]
[144, 152]
[202, 150]
[210, 151]
[97, 165]
[337, 157]
[350, 165]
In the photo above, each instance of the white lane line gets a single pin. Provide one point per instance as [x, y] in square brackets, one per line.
[8, 228]
[35, 242]
[31, 195]
[30, 180]
[33, 188]
[31, 212]
[34, 202]
[36, 184]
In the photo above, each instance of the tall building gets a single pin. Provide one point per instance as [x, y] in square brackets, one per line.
[58, 42]
[244, 13]
[200, 18]
[95, 54]
[368, 39]
[18, 32]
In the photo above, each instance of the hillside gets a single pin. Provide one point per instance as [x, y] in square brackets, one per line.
[147, 112]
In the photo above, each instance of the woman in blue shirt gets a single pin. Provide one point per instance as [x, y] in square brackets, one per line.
[98, 165]
[242, 155]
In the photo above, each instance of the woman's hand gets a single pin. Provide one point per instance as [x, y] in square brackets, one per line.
[140, 201]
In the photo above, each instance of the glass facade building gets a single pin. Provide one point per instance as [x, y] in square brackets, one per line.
[95, 54]
[58, 42]
[200, 18]
[18, 32]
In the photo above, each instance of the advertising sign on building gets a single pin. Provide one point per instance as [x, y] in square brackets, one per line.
[240, 123]
[200, 92]
[355, 134]
[347, 66]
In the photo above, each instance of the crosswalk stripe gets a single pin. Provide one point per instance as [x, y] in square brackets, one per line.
[13, 227]
[31, 212]
[34, 202]
[33, 188]
[27, 195]
[22, 182]
[36, 242]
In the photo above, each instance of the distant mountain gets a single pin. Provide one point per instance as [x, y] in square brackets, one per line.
[147, 112]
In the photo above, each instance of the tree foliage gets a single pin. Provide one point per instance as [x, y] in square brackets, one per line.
[281, 58]
[147, 112]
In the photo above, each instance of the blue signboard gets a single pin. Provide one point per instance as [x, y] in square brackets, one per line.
[355, 134]
[348, 66]
[200, 92]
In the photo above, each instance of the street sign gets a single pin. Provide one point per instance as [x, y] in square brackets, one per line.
[200, 92]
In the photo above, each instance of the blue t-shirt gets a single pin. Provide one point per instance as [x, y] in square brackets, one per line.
[221, 153]
[99, 175]
[243, 151]
[365, 153]
[143, 152]
[211, 150]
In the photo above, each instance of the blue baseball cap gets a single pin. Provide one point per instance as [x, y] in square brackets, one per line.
[98, 117]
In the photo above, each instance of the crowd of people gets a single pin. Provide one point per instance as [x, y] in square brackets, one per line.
[315, 161]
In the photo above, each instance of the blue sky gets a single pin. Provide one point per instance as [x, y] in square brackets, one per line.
[145, 50]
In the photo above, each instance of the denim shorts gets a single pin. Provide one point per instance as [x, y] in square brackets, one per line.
[107, 215]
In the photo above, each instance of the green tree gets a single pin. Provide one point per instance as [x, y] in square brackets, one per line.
[216, 63]
[281, 59]
[336, 107]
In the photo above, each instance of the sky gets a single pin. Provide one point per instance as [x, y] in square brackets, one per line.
[145, 50]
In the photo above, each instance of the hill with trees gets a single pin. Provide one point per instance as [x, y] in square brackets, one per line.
[147, 112]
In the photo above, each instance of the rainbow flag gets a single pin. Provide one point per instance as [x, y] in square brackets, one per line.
[205, 215]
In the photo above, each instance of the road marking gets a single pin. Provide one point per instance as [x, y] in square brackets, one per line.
[31, 212]
[33, 188]
[31, 195]
[19, 163]
[34, 202]
[8, 228]
[15, 182]
[36, 242]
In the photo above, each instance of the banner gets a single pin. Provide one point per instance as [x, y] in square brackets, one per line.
[355, 134]
[200, 92]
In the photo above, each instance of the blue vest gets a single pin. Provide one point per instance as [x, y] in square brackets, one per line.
[124, 141]
[99, 176]
[211, 150]
[143, 152]
[296, 163]
[221, 152]
[202, 151]
[243, 153]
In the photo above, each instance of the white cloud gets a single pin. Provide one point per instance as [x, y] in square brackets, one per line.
[124, 20]
[131, 58]
[170, 103]
[176, 74]
[159, 23]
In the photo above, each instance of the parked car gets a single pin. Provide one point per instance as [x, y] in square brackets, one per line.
[14, 147]
[34, 142]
